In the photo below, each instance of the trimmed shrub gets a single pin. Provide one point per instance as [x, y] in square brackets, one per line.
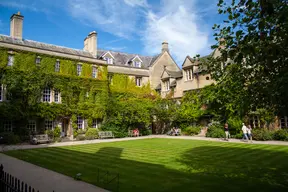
[9, 138]
[91, 133]
[192, 130]
[50, 133]
[281, 135]
[215, 130]
[81, 131]
[262, 134]
[57, 132]
[146, 131]
[80, 137]
[238, 136]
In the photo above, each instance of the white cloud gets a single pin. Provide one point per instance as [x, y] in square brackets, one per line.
[116, 48]
[133, 3]
[178, 23]
[112, 16]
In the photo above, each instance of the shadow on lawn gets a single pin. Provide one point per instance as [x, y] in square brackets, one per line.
[202, 169]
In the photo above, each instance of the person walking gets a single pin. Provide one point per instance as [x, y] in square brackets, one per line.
[244, 130]
[249, 132]
[226, 130]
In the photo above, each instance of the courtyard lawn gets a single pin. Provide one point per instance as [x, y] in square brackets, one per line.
[171, 164]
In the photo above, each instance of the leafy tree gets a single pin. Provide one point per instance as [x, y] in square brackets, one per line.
[252, 70]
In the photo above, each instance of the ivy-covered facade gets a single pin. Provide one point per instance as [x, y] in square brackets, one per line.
[40, 92]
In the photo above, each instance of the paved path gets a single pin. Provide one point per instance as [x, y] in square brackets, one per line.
[28, 146]
[42, 179]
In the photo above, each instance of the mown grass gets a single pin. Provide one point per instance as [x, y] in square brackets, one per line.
[171, 164]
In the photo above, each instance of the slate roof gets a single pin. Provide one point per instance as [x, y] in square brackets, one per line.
[174, 74]
[45, 46]
[121, 59]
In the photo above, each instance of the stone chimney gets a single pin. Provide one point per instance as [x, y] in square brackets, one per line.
[90, 43]
[16, 25]
[165, 47]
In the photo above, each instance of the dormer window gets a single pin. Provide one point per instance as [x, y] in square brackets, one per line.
[108, 60]
[38, 60]
[108, 57]
[137, 64]
[189, 74]
[136, 61]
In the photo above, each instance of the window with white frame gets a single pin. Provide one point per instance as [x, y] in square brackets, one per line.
[138, 81]
[96, 123]
[57, 66]
[8, 126]
[108, 60]
[166, 85]
[57, 96]
[189, 74]
[94, 72]
[46, 97]
[38, 60]
[31, 126]
[79, 69]
[10, 60]
[80, 122]
[49, 124]
[137, 64]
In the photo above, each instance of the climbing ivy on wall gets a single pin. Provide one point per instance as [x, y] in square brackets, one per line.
[26, 80]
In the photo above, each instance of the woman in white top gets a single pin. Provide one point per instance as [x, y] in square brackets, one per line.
[244, 130]
[249, 132]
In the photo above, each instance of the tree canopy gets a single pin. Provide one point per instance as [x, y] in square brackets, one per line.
[252, 69]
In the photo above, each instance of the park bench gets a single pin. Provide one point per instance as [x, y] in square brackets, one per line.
[105, 134]
[35, 139]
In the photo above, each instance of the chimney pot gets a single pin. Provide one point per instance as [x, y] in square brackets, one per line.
[165, 47]
[16, 25]
[90, 43]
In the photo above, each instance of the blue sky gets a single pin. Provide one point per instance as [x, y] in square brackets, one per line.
[133, 26]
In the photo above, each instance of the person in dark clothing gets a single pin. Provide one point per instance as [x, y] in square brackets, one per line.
[226, 130]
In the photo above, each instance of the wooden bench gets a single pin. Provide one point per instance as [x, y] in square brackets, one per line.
[105, 134]
[35, 139]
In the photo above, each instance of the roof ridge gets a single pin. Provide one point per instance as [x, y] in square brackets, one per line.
[23, 39]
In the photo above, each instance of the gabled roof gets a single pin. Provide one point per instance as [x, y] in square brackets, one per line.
[132, 59]
[104, 54]
[44, 46]
[174, 74]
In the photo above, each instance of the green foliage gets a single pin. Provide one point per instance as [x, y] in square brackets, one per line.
[81, 131]
[216, 130]
[281, 135]
[50, 133]
[252, 69]
[26, 80]
[10, 138]
[262, 134]
[57, 132]
[192, 130]
[238, 136]
[191, 107]
[91, 134]
[235, 125]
